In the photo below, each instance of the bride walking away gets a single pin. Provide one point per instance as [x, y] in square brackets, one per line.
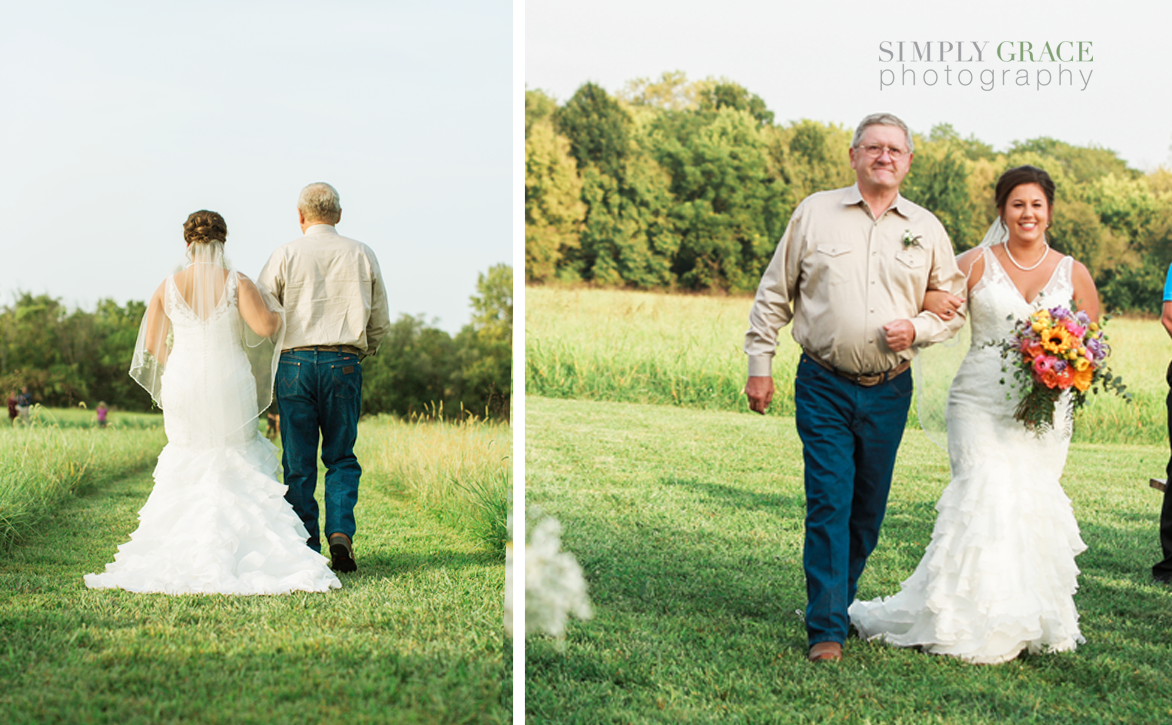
[216, 520]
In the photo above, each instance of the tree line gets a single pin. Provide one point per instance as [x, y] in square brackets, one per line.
[67, 357]
[672, 184]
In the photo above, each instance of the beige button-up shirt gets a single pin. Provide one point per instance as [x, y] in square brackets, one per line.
[332, 291]
[840, 275]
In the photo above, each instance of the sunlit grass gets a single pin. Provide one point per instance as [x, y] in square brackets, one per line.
[83, 416]
[647, 347]
[459, 471]
[42, 464]
[414, 636]
[689, 527]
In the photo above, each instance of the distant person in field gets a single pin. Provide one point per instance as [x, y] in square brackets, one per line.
[24, 403]
[103, 411]
[12, 408]
[850, 273]
[1162, 571]
[336, 314]
[216, 521]
[272, 423]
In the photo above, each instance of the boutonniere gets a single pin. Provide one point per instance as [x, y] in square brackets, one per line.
[911, 240]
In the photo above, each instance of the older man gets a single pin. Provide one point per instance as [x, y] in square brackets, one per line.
[335, 314]
[850, 273]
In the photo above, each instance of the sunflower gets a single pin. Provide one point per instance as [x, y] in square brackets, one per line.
[1056, 339]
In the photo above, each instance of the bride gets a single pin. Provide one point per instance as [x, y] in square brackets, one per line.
[216, 520]
[999, 576]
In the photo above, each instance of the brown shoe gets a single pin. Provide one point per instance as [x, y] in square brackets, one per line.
[826, 652]
[1160, 484]
[341, 555]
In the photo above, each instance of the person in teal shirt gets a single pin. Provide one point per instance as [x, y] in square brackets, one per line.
[1162, 571]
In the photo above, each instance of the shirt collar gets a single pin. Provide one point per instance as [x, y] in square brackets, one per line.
[853, 197]
[320, 229]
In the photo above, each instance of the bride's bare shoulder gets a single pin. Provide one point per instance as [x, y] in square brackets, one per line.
[972, 264]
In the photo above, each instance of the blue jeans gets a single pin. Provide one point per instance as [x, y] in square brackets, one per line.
[320, 390]
[850, 436]
[1163, 569]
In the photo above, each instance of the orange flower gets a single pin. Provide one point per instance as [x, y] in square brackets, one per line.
[1065, 377]
[1032, 349]
[1082, 378]
[1049, 378]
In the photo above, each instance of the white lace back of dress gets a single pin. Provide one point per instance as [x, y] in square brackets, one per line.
[208, 371]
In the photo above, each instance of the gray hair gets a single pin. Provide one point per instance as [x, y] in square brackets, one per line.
[883, 119]
[319, 202]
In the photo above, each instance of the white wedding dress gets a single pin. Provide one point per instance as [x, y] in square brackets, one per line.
[216, 520]
[998, 576]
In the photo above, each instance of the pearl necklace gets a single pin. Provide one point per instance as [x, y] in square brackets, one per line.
[1035, 265]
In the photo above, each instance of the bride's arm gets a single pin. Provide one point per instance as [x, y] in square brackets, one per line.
[259, 317]
[941, 303]
[1086, 297]
[157, 326]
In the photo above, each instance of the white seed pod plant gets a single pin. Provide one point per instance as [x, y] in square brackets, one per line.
[554, 586]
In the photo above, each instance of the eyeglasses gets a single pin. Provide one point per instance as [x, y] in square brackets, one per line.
[875, 151]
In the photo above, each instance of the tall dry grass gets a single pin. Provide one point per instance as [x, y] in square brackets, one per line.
[42, 464]
[461, 471]
[687, 350]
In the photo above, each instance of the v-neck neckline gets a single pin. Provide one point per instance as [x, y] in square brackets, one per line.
[1013, 284]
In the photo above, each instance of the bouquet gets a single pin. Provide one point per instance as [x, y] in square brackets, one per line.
[1052, 351]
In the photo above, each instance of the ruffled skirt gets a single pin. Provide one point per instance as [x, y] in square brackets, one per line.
[217, 522]
[999, 575]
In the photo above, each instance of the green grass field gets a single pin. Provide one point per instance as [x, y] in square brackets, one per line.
[44, 464]
[689, 525]
[646, 347]
[687, 515]
[415, 636]
[83, 417]
[461, 472]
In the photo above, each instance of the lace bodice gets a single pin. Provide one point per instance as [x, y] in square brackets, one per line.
[995, 303]
[209, 394]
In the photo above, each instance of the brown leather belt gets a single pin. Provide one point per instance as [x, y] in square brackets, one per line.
[866, 380]
[325, 348]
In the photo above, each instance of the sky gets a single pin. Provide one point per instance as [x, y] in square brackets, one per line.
[121, 118]
[826, 60]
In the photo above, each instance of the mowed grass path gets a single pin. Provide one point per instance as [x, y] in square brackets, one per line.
[414, 636]
[689, 525]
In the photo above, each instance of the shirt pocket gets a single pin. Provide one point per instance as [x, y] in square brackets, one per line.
[836, 259]
[911, 258]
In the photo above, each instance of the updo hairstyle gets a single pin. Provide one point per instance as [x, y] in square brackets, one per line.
[1019, 175]
[205, 227]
